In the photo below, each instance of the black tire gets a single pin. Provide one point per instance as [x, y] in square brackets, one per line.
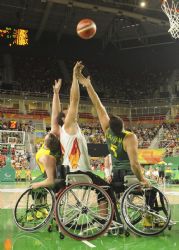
[127, 234]
[77, 211]
[50, 228]
[62, 236]
[146, 203]
[27, 205]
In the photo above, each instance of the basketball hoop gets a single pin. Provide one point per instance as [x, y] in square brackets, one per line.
[12, 144]
[172, 12]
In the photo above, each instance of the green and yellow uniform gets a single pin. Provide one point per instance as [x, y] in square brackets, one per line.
[41, 197]
[120, 159]
[161, 167]
[42, 152]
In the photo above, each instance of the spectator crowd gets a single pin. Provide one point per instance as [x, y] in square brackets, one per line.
[37, 74]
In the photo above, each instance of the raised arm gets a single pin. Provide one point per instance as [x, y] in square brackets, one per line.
[131, 146]
[108, 168]
[71, 117]
[101, 111]
[56, 107]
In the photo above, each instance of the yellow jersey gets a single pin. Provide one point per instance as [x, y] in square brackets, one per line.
[43, 151]
[28, 172]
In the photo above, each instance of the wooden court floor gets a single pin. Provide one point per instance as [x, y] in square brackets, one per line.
[11, 238]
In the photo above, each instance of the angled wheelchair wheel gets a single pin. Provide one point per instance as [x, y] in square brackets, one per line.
[84, 211]
[30, 241]
[34, 209]
[145, 211]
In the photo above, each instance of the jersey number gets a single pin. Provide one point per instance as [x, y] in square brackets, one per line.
[114, 149]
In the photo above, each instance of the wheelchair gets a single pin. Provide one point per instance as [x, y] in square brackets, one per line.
[84, 211]
[145, 211]
[29, 208]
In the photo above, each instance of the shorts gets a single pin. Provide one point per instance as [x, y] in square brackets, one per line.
[39, 178]
[99, 182]
[161, 174]
[43, 193]
[118, 179]
[59, 183]
[119, 187]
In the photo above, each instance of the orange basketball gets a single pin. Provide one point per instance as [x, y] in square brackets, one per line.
[86, 28]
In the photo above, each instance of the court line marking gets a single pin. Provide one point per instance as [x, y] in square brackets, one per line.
[13, 190]
[172, 193]
[88, 243]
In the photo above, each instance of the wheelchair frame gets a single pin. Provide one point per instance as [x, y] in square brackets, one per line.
[86, 222]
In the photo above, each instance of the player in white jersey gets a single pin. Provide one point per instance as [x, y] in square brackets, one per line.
[74, 146]
[76, 152]
[65, 125]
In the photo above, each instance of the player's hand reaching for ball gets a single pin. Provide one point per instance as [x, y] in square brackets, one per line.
[57, 86]
[85, 81]
[77, 69]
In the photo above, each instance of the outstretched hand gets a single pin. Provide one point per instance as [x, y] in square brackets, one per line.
[80, 77]
[77, 69]
[57, 86]
[77, 73]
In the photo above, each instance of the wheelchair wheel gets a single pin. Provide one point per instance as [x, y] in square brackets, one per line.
[136, 217]
[34, 209]
[146, 211]
[84, 211]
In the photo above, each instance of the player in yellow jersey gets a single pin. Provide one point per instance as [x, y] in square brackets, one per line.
[122, 144]
[49, 155]
[48, 158]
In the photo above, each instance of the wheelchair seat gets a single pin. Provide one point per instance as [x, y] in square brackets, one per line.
[130, 180]
[73, 178]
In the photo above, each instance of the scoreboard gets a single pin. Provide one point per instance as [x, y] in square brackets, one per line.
[14, 36]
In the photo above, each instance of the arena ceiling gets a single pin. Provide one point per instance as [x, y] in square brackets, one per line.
[121, 22]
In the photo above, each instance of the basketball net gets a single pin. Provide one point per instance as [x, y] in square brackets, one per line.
[12, 144]
[172, 12]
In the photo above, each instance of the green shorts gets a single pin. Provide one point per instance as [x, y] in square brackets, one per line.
[39, 178]
[59, 183]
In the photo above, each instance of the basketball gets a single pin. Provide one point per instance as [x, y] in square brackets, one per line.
[86, 29]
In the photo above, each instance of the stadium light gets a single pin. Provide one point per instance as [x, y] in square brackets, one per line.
[142, 4]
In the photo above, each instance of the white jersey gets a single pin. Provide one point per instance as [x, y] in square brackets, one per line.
[74, 148]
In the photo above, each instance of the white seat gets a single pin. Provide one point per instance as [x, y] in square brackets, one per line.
[130, 180]
[77, 178]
